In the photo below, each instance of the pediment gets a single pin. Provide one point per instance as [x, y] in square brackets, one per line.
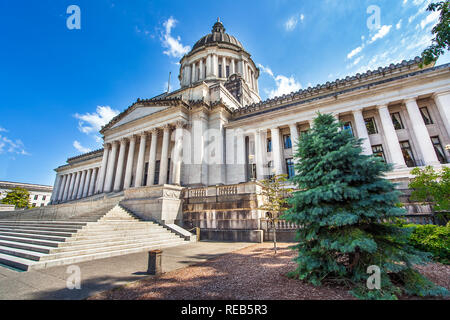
[137, 113]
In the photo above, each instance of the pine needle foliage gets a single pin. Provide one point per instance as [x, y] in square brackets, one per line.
[344, 207]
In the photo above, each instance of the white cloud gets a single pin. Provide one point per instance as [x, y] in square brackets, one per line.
[93, 122]
[9, 146]
[284, 85]
[355, 52]
[398, 26]
[292, 22]
[382, 32]
[80, 148]
[173, 45]
[431, 18]
[3, 129]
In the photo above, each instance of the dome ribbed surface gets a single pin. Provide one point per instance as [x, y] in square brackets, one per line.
[217, 35]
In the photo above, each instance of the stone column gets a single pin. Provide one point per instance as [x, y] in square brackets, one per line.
[110, 169]
[421, 133]
[67, 187]
[93, 180]
[361, 129]
[233, 66]
[87, 183]
[442, 100]
[102, 173]
[294, 137]
[276, 151]
[152, 158]
[224, 67]
[259, 156]
[188, 75]
[55, 191]
[177, 156]
[130, 161]
[391, 137]
[215, 65]
[140, 162]
[208, 66]
[120, 165]
[76, 186]
[62, 188]
[82, 181]
[164, 156]
[201, 75]
[194, 72]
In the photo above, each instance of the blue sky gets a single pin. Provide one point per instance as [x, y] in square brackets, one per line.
[58, 86]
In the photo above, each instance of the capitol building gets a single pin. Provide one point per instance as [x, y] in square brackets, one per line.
[215, 137]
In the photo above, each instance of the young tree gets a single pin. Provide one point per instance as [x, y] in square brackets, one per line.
[19, 197]
[431, 186]
[441, 41]
[275, 193]
[342, 205]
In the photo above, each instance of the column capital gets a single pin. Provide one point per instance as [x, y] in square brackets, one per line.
[440, 93]
[166, 127]
[382, 106]
[359, 110]
[131, 137]
[123, 140]
[142, 134]
[154, 131]
[409, 100]
[179, 124]
[106, 145]
[114, 143]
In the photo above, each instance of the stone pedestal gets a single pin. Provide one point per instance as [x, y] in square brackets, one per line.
[155, 262]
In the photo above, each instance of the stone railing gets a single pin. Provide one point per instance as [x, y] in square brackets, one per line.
[267, 225]
[228, 190]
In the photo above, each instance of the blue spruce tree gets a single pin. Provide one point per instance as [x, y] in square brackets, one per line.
[344, 207]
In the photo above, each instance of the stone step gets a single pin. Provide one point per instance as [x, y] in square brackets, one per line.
[100, 236]
[16, 262]
[25, 254]
[89, 240]
[89, 257]
[66, 254]
[43, 223]
[57, 229]
[34, 236]
[37, 232]
[26, 246]
[32, 241]
[106, 228]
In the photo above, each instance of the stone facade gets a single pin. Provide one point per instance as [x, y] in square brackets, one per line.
[215, 132]
[39, 194]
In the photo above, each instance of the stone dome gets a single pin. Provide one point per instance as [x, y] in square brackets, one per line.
[218, 35]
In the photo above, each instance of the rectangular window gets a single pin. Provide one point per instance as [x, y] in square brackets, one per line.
[228, 71]
[35, 197]
[43, 198]
[378, 151]
[407, 154]
[426, 116]
[42, 204]
[269, 144]
[397, 121]
[157, 165]
[145, 173]
[371, 126]
[287, 141]
[439, 150]
[220, 71]
[33, 205]
[348, 126]
[290, 168]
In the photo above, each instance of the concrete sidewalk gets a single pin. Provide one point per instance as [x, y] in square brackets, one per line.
[103, 274]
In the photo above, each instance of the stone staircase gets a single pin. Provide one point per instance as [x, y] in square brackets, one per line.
[34, 244]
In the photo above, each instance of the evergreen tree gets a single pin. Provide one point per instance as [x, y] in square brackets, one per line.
[343, 206]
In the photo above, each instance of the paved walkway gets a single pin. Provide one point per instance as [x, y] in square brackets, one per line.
[103, 274]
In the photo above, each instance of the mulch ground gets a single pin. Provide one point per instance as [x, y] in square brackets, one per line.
[253, 273]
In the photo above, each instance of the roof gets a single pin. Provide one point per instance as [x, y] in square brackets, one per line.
[28, 186]
[216, 36]
[339, 86]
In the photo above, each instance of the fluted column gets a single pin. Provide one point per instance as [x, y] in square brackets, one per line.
[55, 191]
[442, 101]
[62, 188]
[120, 165]
[177, 158]
[391, 137]
[67, 187]
[110, 168]
[87, 183]
[140, 162]
[130, 161]
[152, 158]
[102, 173]
[81, 187]
[215, 59]
[201, 74]
[259, 156]
[421, 133]
[208, 66]
[76, 186]
[276, 151]
[164, 156]
[294, 137]
[92, 183]
[361, 129]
